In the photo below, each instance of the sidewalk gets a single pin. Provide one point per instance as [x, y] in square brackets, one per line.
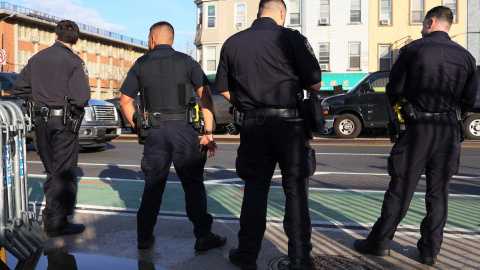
[109, 241]
[112, 239]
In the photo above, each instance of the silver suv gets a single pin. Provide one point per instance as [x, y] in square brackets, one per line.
[100, 125]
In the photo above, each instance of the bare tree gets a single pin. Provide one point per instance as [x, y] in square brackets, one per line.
[189, 48]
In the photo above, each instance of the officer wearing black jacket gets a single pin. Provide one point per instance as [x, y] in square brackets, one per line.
[261, 70]
[437, 76]
[50, 76]
[165, 78]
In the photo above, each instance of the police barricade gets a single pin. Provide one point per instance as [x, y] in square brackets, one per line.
[20, 234]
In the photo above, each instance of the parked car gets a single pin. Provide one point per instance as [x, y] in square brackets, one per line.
[220, 110]
[99, 126]
[364, 107]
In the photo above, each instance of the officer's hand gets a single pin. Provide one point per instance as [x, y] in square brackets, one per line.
[208, 141]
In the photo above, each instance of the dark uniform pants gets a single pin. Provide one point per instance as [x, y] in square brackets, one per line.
[261, 147]
[432, 144]
[58, 150]
[176, 142]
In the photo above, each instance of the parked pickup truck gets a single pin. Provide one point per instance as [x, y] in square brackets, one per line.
[364, 107]
[100, 125]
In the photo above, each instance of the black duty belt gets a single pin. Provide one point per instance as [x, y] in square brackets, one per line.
[170, 117]
[48, 112]
[271, 112]
[421, 114]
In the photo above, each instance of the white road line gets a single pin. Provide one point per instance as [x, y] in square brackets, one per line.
[352, 154]
[226, 181]
[275, 176]
[274, 222]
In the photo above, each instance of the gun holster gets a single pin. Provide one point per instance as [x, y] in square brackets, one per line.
[76, 115]
[141, 132]
[461, 126]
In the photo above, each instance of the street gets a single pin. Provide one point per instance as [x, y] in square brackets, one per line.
[350, 171]
[355, 164]
[346, 194]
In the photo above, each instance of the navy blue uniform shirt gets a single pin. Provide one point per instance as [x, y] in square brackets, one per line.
[435, 74]
[52, 74]
[131, 86]
[266, 65]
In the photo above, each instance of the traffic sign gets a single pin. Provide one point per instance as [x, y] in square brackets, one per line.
[3, 57]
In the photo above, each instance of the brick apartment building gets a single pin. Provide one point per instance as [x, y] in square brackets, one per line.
[108, 55]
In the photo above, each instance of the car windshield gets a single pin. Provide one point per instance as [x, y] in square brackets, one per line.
[356, 85]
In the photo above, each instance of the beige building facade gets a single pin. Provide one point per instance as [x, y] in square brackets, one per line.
[393, 24]
[217, 20]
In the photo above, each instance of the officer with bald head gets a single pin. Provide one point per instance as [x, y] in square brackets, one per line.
[261, 71]
[165, 79]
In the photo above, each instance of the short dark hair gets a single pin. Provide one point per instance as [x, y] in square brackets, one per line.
[67, 31]
[263, 3]
[441, 13]
[162, 23]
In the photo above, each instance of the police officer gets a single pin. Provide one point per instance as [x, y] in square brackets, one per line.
[261, 70]
[437, 76]
[50, 76]
[168, 75]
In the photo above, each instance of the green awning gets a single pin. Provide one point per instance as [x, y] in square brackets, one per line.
[347, 80]
[329, 80]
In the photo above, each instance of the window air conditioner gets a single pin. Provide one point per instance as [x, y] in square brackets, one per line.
[385, 22]
[324, 21]
[324, 67]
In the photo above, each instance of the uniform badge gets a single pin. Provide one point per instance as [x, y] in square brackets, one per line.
[85, 70]
[309, 47]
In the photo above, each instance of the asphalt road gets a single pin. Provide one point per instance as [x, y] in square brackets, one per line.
[355, 164]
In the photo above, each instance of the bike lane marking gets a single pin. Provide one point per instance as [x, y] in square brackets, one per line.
[329, 206]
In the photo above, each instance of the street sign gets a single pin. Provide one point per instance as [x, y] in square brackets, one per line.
[3, 57]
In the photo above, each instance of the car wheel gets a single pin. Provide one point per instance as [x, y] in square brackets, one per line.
[220, 129]
[347, 126]
[472, 126]
[328, 131]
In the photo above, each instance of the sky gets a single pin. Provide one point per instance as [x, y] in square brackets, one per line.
[129, 18]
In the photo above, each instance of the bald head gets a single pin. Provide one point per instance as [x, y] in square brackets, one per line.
[275, 9]
[161, 33]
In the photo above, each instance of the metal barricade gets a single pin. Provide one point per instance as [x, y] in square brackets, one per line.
[20, 233]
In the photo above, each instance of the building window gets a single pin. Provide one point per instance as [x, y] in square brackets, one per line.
[240, 15]
[211, 16]
[384, 57]
[211, 58]
[200, 55]
[452, 4]
[295, 12]
[385, 12]
[354, 55]
[324, 12]
[355, 11]
[200, 17]
[416, 11]
[324, 56]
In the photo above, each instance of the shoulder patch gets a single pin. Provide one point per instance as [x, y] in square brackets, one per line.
[85, 70]
[196, 61]
[309, 48]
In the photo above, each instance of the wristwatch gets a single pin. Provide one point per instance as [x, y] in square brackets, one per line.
[208, 132]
